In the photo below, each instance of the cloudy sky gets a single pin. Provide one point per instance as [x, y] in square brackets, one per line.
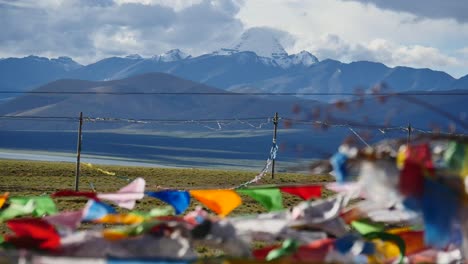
[416, 33]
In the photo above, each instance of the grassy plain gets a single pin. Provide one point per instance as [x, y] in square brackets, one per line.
[32, 178]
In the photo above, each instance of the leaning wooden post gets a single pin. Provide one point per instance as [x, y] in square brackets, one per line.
[78, 153]
[275, 122]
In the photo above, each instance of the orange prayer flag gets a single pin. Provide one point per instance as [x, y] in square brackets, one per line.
[221, 202]
[3, 199]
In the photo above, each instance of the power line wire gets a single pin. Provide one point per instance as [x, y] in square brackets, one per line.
[241, 94]
[222, 122]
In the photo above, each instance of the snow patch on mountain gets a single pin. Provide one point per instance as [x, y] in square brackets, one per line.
[68, 63]
[172, 55]
[262, 42]
[267, 47]
[303, 58]
[134, 57]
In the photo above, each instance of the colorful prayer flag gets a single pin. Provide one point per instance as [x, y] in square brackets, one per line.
[221, 202]
[270, 198]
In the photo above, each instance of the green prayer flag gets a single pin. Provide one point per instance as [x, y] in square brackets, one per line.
[288, 247]
[15, 210]
[156, 212]
[364, 227]
[270, 198]
[456, 157]
[43, 205]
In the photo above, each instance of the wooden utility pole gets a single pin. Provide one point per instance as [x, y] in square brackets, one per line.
[78, 153]
[409, 134]
[275, 122]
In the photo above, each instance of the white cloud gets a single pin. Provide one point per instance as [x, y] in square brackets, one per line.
[175, 4]
[437, 9]
[392, 33]
[381, 50]
[92, 29]
[316, 24]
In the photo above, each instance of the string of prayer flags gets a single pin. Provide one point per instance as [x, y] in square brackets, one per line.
[99, 169]
[128, 195]
[221, 202]
[270, 198]
[180, 200]
[305, 192]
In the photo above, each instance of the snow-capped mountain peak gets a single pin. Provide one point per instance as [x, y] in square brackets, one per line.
[266, 45]
[172, 55]
[263, 42]
[304, 58]
[68, 63]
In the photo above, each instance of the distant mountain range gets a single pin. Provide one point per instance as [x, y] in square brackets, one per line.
[392, 111]
[165, 107]
[257, 63]
[189, 143]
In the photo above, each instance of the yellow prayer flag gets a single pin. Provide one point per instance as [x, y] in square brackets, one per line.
[221, 202]
[110, 234]
[124, 219]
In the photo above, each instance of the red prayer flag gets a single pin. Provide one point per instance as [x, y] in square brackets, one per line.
[305, 192]
[70, 193]
[315, 252]
[33, 233]
[418, 164]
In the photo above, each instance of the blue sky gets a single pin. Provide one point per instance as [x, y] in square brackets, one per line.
[417, 33]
